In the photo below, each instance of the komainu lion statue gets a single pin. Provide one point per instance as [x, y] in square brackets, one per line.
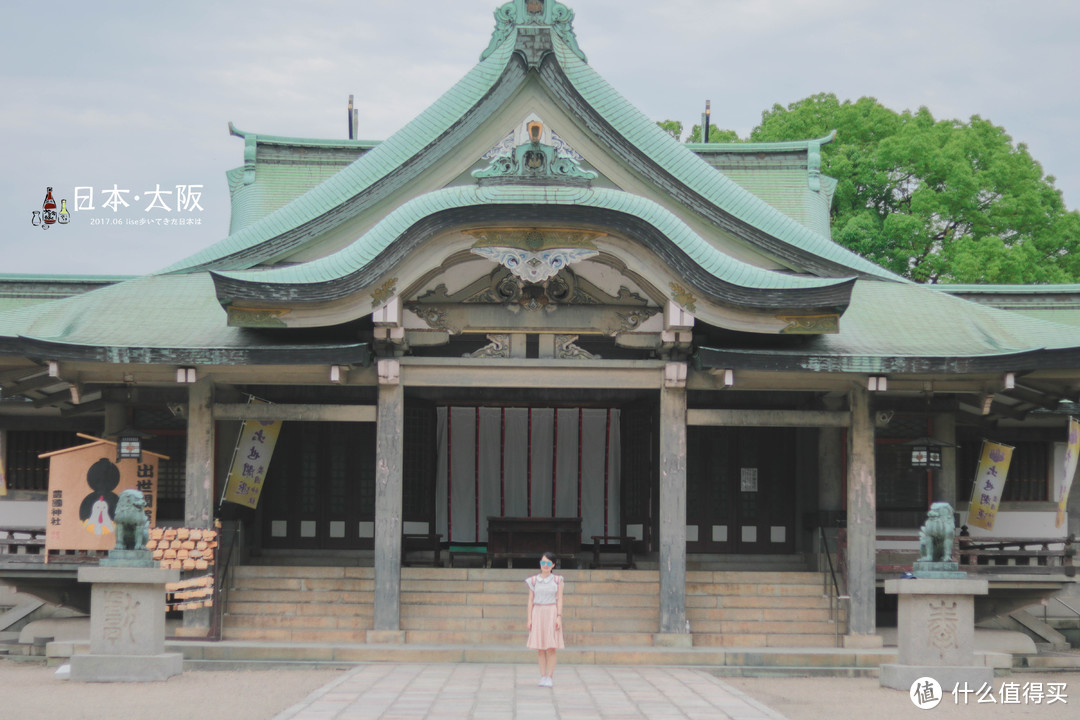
[132, 525]
[936, 535]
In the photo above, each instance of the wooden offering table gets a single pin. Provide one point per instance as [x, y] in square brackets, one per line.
[528, 537]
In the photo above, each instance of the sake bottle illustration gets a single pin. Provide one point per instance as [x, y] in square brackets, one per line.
[64, 217]
[48, 209]
[36, 220]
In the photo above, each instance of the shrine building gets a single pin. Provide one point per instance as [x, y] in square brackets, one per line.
[533, 304]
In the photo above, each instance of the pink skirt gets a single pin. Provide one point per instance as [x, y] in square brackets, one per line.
[544, 635]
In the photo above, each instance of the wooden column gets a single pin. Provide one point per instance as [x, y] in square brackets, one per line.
[673, 510]
[861, 516]
[388, 484]
[945, 478]
[199, 480]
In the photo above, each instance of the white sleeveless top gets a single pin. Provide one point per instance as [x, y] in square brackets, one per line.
[545, 592]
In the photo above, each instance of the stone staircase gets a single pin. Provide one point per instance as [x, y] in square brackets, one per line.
[486, 607]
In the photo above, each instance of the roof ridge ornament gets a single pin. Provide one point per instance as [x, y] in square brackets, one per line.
[534, 162]
[533, 13]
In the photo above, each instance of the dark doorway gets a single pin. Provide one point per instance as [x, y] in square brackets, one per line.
[320, 490]
[740, 490]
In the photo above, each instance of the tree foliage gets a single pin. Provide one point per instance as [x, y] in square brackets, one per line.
[935, 200]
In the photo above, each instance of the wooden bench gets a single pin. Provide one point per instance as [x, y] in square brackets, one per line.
[458, 552]
[421, 542]
[613, 544]
[512, 538]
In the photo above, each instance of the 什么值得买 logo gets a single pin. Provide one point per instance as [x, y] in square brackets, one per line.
[48, 215]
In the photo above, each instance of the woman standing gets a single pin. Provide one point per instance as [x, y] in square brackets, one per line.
[545, 616]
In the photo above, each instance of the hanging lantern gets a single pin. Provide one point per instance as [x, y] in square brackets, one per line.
[926, 452]
[129, 444]
[926, 456]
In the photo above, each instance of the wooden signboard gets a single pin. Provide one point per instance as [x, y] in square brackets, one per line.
[85, 482]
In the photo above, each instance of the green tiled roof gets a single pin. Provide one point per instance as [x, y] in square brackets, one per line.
[241, 249]
[896, 327]
[373, 166]
[158, 318]
[698, 175]
[362, 252]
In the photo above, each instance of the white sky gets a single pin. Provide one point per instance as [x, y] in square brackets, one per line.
[139, 94]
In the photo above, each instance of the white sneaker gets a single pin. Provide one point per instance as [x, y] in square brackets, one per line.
[543, 682]
[547, 682]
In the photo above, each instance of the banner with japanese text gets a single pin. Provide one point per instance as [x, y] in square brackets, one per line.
[85, 483]
[1072, 452]
[3, 480]
[989, 483]
[251, 461]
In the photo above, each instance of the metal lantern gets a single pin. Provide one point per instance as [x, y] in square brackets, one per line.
[926, 452]
[926, 456]
[129, 444]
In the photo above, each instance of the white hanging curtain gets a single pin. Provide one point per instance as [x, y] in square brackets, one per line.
[526, 462]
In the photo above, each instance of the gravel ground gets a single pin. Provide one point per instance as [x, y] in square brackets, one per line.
[31, 692]
[832, 698]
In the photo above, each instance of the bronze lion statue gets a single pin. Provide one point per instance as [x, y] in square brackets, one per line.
[132, 525]
[936, 535]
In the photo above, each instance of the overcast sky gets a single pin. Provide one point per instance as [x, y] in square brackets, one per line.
[138, 95]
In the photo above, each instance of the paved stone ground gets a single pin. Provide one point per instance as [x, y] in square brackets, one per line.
[510, 692]
[505, 692]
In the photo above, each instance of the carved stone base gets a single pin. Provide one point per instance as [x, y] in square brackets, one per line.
[127, 626]
[936, 632]
[92, 667]
[901, 677]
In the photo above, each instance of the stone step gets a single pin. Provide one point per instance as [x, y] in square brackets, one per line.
[300, 609]
[293, 583]
[241, 572]
[821, 661]
[754, 577]
[757, 589]
[298, 622]
[765, 640]
[517, 624]
[755, 601]
[299, 596]
[485, 638]
[485, 606]
[1051, 661]
[759, 613]
[287, 635]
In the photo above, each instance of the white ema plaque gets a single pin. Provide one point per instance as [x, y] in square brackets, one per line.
[748, 477]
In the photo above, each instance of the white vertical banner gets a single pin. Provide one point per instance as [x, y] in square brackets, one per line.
[1072, 452]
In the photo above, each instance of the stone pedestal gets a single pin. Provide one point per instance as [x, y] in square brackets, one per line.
[936, 632]
[127, 626]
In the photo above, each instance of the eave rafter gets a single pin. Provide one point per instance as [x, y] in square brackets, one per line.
[353, 273]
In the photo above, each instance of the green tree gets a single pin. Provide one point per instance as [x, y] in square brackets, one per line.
[935, 201]
[716, 135]
[671, 127]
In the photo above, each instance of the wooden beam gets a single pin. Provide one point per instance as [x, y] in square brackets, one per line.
[768, 418]
[35, 383]
[531, 373]
[292, 413]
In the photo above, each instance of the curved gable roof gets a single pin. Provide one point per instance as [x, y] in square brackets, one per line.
[435, 133]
